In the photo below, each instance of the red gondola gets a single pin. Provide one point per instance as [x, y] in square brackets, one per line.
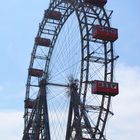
[105, 88]
[30, 103]
[55, 15]
[99, 3]
[105, 33]
[35, 72]
[42, 41]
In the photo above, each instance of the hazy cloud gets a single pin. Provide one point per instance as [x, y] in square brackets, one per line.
[11, 125]
[125, 125]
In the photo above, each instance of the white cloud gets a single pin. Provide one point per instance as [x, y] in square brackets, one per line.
[11, 125]
[125, 125]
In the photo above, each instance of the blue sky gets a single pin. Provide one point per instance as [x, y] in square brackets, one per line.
[19, 22]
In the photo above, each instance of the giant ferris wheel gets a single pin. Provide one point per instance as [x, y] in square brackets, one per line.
[70, 80]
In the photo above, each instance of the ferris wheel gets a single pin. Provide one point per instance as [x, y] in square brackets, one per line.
[70, 80]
